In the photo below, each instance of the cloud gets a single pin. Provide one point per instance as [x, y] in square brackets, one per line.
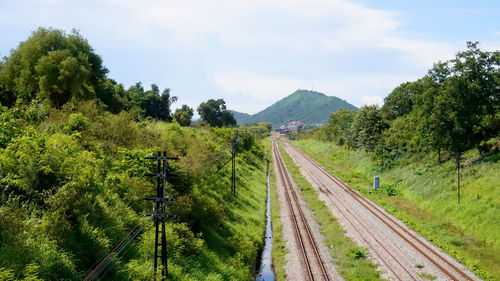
[265, 90]
[336, 23]
[371, 100]
[418, 51]
[249, 52]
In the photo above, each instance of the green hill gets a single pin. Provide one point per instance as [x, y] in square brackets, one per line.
[306, 106]
[240, 115]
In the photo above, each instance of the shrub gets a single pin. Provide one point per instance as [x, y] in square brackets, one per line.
[357, 253]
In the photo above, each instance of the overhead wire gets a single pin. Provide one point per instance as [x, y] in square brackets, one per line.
[123, 254]
[123, 246]
[107, 226]
[115, 251]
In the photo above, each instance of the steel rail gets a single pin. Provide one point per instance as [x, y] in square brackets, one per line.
[370, 206]
[329, 195]
[285, 179]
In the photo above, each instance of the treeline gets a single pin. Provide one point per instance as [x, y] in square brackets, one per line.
[454, 108]
[52, 67]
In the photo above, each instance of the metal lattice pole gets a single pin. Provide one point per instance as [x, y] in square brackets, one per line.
[159, 207]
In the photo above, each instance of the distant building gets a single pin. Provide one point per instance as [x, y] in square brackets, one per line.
[283, 129]
[295, 125]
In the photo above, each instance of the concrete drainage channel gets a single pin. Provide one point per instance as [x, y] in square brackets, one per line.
[266, 272]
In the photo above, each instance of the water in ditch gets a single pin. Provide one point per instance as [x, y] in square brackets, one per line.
[266, 272]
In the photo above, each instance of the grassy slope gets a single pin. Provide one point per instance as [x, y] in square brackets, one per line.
[340, 246]
[230, 250]
[427, 200]
[219, 259]
[216, 237]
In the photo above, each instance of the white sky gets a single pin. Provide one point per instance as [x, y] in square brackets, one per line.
[252, 53]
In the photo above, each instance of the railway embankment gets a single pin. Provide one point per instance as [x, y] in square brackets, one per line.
[422, 193]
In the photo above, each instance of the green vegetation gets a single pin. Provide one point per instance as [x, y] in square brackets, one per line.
[214, 112]
[350, 259]
[72, 185]
[72, 174]
[239, 116]
[309, 107]
[52, 68]
[184, 115]
[427, 276]
[424, 197]
[454, 112]
[454, 108]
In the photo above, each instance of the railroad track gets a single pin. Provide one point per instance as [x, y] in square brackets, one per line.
[439, 261]
[314, 265]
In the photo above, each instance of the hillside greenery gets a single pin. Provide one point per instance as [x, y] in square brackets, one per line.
[425, 130]
[239, 116]
[422, 192]
[72, 174]
[306, 106]
[454, 108]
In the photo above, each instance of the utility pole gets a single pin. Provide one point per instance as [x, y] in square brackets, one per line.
[159, 217]
[234, 145]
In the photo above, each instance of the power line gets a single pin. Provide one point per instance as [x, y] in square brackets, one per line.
[114, 252]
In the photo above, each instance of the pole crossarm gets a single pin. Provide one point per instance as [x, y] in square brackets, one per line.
[159, 216]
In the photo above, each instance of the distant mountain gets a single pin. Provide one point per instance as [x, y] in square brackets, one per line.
[306, 106]
[239, 115]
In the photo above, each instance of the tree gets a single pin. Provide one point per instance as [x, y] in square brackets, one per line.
[151, 103]
[367, 127]
[339, 125]
[465, 102]
[401, 136]
[113, 95]
[400, 101]
[183, 115]
[52, 65]
[460, 107]
[214, 112]
[166, 101]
